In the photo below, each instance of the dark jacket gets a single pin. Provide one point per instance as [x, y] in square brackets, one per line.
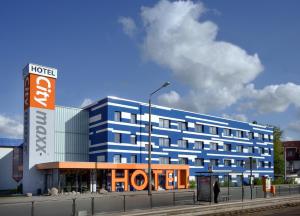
[217, 187]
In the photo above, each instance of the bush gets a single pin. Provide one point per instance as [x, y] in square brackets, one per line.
[257, 181]
[279, 180]
[192, 184]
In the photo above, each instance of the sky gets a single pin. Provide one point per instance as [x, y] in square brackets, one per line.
[234, 59]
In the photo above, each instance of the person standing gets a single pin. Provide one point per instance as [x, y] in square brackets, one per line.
[216, 191]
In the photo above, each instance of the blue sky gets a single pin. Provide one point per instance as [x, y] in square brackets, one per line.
[86, 42]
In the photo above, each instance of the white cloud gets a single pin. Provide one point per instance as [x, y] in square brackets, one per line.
[129, 26]
[217, 73]
[274, 98]
[239, 117]
[86, 102]
[10, 127]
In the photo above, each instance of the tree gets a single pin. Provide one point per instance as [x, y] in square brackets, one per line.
[278, 152]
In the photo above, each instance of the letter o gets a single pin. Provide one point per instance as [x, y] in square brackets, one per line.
[134, 175]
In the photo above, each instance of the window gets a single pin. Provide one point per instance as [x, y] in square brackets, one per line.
[182, 143]
[261, 150]
[227, 147]
[118, 116]
[199, 162]
[117, 158]
[270, 137]
[239, 163]
[133, 139]
[118, 138]
[227, 132]
[133, 159]
[133, 118]
[213, 146]
[164, 123]
[101, 158]
[164, 160]
[199, 145]
[261, 164]
[251, 135]
[239, 134]
[269, 164]
[239, 148]
[199, 128]
[250, 149]
[164, 142]
[146, 147]
[214, 162]
[260, 136]
[270, 151]
[182, 126]
[213, 130]
[227, 162]
[182, 160]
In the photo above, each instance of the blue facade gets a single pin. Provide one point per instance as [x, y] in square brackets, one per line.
[118, 132]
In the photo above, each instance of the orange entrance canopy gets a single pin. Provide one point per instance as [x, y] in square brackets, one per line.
[135, 170]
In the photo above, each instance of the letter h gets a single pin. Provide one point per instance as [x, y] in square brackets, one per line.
[115, 180]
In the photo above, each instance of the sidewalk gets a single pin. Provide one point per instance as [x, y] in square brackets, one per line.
[231, 208]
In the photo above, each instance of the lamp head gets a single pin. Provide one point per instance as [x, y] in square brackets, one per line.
[166, 84]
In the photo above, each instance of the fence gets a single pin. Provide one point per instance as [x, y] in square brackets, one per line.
[243, 193]
[96, 204]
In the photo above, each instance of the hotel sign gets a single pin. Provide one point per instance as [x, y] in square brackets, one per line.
[39, 108]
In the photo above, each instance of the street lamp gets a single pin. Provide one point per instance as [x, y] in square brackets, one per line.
[149, 137]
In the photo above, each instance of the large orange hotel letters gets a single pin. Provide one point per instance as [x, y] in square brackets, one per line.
[105, 144]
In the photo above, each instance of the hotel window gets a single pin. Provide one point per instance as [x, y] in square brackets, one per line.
[213, 146]
[261, 164]
[164, 123]
[199, 162]
[183, 161]
[239, 134]
[133, 139]
[101, 158]
[261, 150]
[164, 142]
[227, 147]
[270, 151]
[118, 138]
[214, 162]
[164, 160]
[260, 136]
[269, 137]
[182, 143]
[182, 126]
[213, 130]
[227, 132]
[250, 149]
[269, 164]
[227, 162]
[239, 163]
[117, 116]
[133, 159]
[146, 147]
[133, 118]
[199, 128]
[251, 135]
[117, 158]
[239, 148]
[199, 145]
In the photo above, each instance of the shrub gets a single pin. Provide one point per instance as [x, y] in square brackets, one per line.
[192, 184]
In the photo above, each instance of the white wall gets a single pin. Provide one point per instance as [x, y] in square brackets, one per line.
[6, 180]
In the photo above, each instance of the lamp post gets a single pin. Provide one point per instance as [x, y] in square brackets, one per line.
[149, 137]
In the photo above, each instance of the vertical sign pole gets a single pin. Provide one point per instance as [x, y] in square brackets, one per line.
[251, 185]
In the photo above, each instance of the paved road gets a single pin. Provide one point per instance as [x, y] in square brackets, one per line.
[289, 211]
